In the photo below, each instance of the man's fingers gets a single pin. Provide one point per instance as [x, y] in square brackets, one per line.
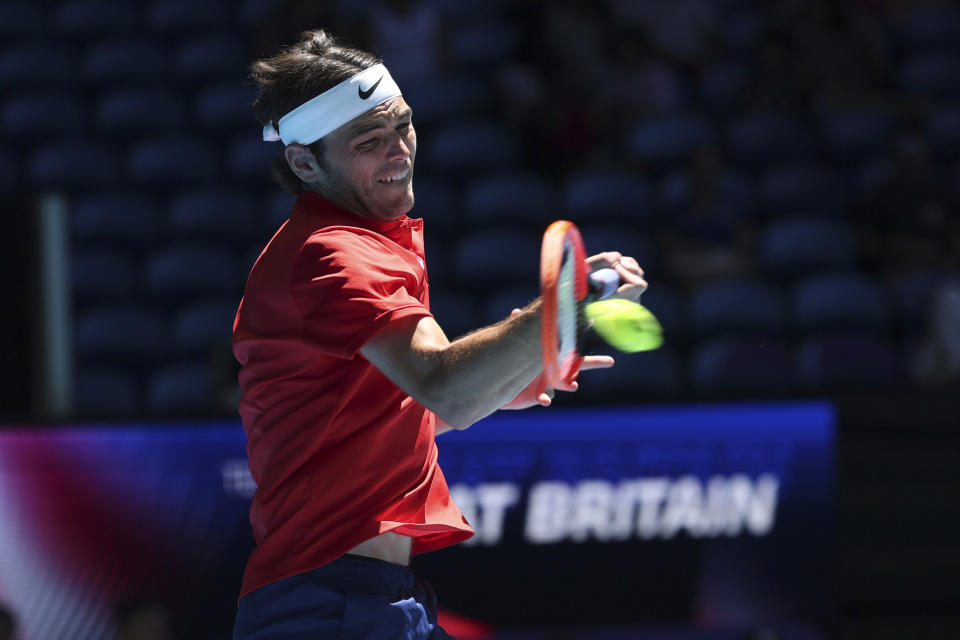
[596, 362]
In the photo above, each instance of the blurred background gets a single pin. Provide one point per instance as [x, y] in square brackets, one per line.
[787, 173]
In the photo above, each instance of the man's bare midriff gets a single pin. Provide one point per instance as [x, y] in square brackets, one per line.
[389, 546]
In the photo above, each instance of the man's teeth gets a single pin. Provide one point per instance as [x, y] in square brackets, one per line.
[399, 176]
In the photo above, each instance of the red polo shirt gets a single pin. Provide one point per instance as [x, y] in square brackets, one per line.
[339, 453]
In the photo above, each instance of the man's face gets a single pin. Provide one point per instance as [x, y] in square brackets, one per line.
[368, 162]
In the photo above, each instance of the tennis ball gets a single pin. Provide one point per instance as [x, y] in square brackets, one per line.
[624, 324]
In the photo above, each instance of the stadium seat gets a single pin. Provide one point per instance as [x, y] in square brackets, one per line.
[722, 85]
[627, 240]
[734, 189]
[853, 135]
[202, 326]
[210, 56]
[436, 99]
[439, 204]
[114, 216]
[839, 301]
[483, 44]
[490, 257]
[759, 139]
[94, 17]
[37, 65]
[139, 110]
[177, 16]
[250, 157]
[189, 271]
[498, 305]
[125, 60]
[736, 306]
[839, 361]
[929, 25]
[790, 246]
[666, 140]
[943, 132]
[227, 106]
[276, 209]
[106, 392]
[669, 308]
[71, 164]
[213, 213]
[181, 389]
[468, 148]
[9, 172]
[119, 333]
[793, 188]
[742, 29]
[39, 115]
[172, 160]
[598, 194]
[456, 312]
[20, 19]
[931, 72]
[101, 274]
[634, 378]
[913, 296]
[517, 198]
[741, 364]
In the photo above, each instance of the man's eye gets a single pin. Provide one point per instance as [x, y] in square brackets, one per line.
[404, 126]
[368, 144]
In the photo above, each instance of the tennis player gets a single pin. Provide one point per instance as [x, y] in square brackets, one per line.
[346, 376]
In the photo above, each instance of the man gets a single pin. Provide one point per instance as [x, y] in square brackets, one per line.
[346, 377]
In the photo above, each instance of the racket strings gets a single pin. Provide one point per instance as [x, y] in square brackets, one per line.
[568, 312]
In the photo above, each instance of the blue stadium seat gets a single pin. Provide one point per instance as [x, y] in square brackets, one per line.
[665, 303]
[38, 115]
[42, 65]
[140, 110]
[934, 72]
[119, 333]
[491, 257]
[20, 19]
[188, 271]
[722, 86]
[607, 194]
[181, 389]
[635, 377]
[72, 164]
[665, 140]
[9, 172]
[758, 139]
[913, 296]
[742, 29]
[483, 44]
[839, 301]
[438, 203]
[203, 326]
[793, 188]
[115, 217]
[838, 361]
[250, 157]
[436, 99]
[227, 106]
[177, 16]
[276, 209]
[794, 245]
[106, 392]
[254, 11]
[125, 59]
[470, 147]
[517, 198]
[210, 56]
[943, 132]
[737, 306]
[456, 312]
[627, 240]
[734, 189]
[498, 305]
[101, 274]
[212, 212]
[172, 160]
[928, 25]
[94, 17]
[856, 134]
[741, 364]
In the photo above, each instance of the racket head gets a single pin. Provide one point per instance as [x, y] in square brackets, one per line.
[563, 290]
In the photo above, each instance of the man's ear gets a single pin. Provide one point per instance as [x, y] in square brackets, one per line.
[302, 162]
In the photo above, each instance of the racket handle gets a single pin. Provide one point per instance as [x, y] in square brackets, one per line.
[604, 283]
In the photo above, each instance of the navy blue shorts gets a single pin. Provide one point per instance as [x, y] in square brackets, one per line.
[351, 598]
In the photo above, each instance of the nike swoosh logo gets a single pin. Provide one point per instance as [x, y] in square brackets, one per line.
[366, 94]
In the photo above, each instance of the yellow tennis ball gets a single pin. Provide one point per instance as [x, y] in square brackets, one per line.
[624, 324]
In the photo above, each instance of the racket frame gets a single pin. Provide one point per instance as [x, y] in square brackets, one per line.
[560, 237]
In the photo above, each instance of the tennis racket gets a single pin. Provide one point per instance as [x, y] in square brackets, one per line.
[566, 286]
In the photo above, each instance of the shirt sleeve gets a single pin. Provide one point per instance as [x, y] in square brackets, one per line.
[348, 286]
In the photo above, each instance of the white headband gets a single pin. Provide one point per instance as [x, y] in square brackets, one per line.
[335, 107]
